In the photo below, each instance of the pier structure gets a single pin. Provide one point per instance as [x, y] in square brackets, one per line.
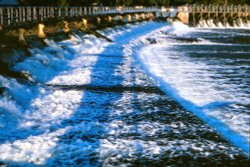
[225, 14]
[23, 18]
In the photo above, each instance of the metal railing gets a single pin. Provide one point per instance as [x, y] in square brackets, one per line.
[18, 15]
[220, 8]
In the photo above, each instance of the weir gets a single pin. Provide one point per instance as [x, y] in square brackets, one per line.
[198, 15]
[86, 101]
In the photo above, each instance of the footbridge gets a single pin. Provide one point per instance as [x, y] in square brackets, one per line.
[215, 14]
[66, 18]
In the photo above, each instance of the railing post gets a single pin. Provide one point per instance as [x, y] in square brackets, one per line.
[48, 12]
[1, 17]
[11, 14]
[80, 11]
[8, 16]
[20, 15]
[90, 12]
[66, 12]
[25, 14]
[59, 12]
[28, 13]
[34, 14]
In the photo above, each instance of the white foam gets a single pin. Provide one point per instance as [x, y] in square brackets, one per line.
[181, 79]
[35, 110]
[33, 150]
[43, 109]
[239, 24]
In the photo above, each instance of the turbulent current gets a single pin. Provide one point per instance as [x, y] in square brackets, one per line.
[159, 94]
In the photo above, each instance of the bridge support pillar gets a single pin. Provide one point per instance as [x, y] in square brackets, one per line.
[98, 20]
[120, 18]
[147, 15]
[128, 18]
[66, 28]
[143, 16]
[183, 17]
[151, 16]
[85, 23]
[21, 32]
[109, 19]
[41, 33]
[137, 17]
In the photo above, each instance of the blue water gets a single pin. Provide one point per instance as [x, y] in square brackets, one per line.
[207, 71]
[89, 102]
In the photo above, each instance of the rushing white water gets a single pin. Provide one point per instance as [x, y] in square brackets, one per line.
[192, 82]
[236, 24]
[32, 116]
[55, 120]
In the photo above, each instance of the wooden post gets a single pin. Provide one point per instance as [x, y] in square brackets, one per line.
[85, 23]
[137, 17]
[143, 16]
[66, 28]
[98, 20]
[21, 32]
[109, 18]
[41, 33]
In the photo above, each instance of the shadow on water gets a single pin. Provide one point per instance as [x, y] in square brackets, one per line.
[89, 123]
[99, 105]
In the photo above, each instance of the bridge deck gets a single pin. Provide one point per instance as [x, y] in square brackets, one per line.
[13, 16]
[220, 9]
